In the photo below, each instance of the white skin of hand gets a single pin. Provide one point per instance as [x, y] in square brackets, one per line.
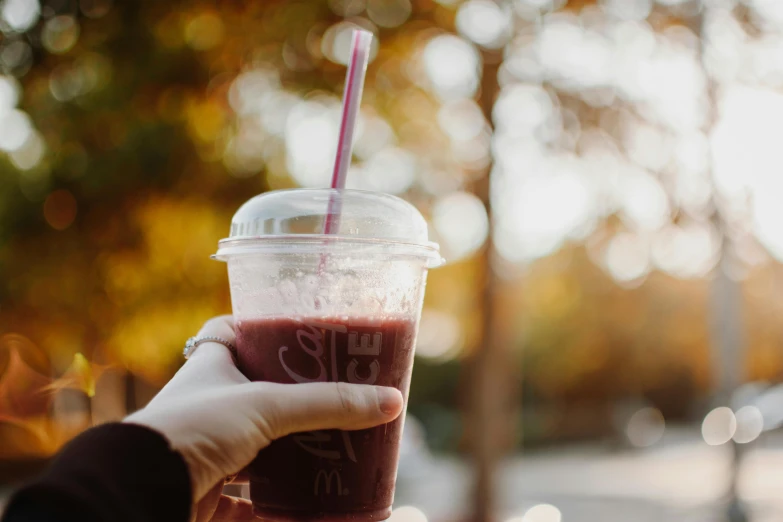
[218, 420]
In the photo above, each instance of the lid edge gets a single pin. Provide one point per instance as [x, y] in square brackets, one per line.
[322, 238]
[253, 244]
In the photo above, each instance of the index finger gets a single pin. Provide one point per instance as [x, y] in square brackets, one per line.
[220, 327]
[211, 363]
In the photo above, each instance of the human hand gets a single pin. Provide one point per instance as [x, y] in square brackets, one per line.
[218, 420]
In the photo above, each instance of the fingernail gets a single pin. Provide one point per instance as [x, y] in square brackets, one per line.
[388, 400]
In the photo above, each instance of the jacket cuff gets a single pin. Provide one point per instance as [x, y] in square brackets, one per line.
[122, 472]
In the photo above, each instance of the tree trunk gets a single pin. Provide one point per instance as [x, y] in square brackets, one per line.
[726, 331]
[486, 369]
[725, 301]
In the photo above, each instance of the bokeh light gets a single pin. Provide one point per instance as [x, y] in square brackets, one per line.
[9, 93]
[336, 42]
[389, 13]
[539, 206]
[750, 118]
[244, 155]
[204, 31]
[485, 22]
[60, 34]
[645, 427]
[60, 209]
[95, 8]
[627, 257]
[542, 513]
[461, 119]
[392, 170]
[686, 251]
[768, 12]
[628, 9]
[461, 224]
[347, 8]
[523, 110]
[719, 426]
[15, 129]
[452, 66]
[311, 138]
[20, 15]
[440, 335]
[17, 57]
[644, 203]
[87, 74]
[750, 424]
[407, 514]
[30, 154]
[373, 135]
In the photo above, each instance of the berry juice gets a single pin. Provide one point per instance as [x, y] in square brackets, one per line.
[328, 475]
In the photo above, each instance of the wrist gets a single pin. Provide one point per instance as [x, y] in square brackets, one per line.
[194, 465]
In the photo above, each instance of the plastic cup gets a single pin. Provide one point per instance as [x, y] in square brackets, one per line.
[310, 307]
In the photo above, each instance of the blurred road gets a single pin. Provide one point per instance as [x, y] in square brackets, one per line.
[679, 479]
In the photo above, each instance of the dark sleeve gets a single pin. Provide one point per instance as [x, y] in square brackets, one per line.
[112, 473]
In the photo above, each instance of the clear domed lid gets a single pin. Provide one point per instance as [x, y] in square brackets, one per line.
[282, 220]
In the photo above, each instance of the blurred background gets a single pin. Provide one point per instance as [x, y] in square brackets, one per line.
[604, 179]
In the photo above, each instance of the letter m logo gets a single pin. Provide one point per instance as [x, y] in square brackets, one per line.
[330, 480]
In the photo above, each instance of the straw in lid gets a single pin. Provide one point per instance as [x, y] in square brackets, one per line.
[292, 221]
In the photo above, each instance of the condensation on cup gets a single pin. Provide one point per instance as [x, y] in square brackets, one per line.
[342, 307]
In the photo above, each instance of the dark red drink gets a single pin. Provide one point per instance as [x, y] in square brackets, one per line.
[328, 475]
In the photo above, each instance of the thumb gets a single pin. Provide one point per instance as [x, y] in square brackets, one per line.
[291, 408]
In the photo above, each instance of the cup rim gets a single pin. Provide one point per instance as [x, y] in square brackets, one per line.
[312, 243]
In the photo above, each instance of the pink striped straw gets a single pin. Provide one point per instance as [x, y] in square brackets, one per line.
[352, 96]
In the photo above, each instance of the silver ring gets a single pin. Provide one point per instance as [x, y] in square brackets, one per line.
[192, 343]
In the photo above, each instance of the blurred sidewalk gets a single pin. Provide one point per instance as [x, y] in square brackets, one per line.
[679, 479]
